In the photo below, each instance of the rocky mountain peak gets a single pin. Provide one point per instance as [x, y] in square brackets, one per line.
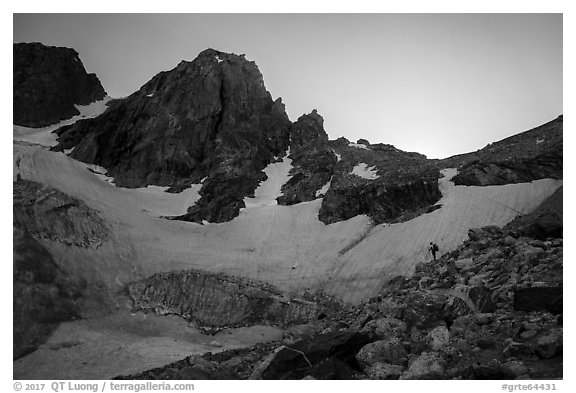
[48, 82]
[211, 118]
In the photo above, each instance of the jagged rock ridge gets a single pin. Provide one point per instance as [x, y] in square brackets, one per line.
[48, 82]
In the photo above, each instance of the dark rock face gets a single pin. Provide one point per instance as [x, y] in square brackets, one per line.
[47, 213]
[539, 299]
[531, 155]
[48, 81]
[327, 356]
[43, 295]
[382, 202]
[210, 118]
[218, 300]
[312, 160]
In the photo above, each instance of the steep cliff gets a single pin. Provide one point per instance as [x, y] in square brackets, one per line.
[48, 82]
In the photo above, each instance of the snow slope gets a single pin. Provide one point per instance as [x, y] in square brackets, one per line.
[270, 189]
[45, 136]
[285, 245]
[348, 259]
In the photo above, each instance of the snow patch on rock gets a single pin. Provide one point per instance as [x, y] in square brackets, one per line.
[358, 145]
[362, 170]
[338, 156]
[324, 188]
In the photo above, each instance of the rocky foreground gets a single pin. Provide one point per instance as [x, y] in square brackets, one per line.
[491, 309]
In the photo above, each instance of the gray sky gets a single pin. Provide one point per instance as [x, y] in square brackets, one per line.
[438, 84]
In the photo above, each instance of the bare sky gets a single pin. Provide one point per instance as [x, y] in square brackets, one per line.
[438, 84]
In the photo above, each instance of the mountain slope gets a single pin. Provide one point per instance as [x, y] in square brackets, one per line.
[348, 259]
[530, 155]
[210, 118]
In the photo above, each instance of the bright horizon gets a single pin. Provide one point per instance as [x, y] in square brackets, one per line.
[437, 84]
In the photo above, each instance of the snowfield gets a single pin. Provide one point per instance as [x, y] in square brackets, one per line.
[284, 245]
[349, 259]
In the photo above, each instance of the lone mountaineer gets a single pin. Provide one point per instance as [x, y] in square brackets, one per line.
[433, 249]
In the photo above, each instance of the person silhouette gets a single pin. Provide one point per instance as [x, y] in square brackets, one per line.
[433, 249]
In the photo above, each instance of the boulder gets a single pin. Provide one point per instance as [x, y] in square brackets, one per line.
[549, 345]
[438, 337]
[326, 356]
[384, 371]
[464, 263]
[486, 342]
[385, 327]
[389, 350]
[545, 298]
[514, 369]
[515, 349]
[488, 370]
[429, 365]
